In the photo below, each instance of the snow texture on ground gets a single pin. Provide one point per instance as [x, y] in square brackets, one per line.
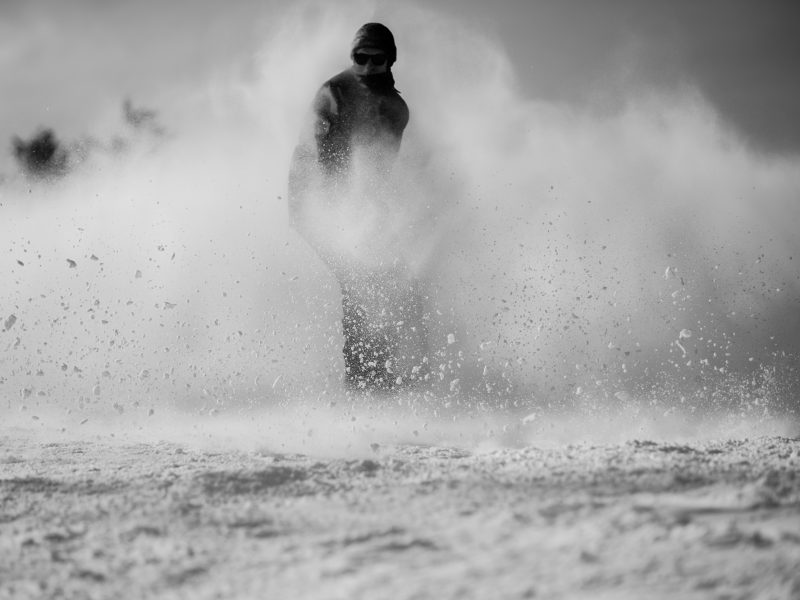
[106, 517]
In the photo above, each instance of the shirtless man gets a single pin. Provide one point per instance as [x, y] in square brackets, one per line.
[337, 193]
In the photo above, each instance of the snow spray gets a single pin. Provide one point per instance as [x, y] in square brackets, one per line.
[640, 261]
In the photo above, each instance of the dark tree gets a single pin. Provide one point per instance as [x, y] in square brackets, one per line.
[142, 119]
[42, 156]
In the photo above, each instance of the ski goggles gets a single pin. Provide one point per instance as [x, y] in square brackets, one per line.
[362, 59]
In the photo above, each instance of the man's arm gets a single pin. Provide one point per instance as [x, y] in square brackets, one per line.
[308, 175]
[305, 171]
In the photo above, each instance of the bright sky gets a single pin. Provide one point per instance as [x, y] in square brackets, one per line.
[62, 62]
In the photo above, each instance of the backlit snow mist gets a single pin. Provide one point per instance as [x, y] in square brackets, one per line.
[577, 258]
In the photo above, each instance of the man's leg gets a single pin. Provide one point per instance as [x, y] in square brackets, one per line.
[369, 349]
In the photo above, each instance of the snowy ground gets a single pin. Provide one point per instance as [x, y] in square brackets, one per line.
[110, 516]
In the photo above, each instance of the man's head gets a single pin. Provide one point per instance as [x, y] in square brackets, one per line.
[373, 50]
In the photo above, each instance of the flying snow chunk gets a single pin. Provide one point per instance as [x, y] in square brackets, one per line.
[451, 338]
[9, 322]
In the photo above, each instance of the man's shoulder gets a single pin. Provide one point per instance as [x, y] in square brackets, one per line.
[401, 109]
[346, 77]
[330, 92]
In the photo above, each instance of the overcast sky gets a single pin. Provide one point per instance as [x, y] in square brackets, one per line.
[742, 54]
[61, 60]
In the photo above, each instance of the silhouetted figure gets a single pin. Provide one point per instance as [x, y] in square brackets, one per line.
[42, 156]
[338, 190]
[143, 119]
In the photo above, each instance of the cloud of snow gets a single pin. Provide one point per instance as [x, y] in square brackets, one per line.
[576, 255]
